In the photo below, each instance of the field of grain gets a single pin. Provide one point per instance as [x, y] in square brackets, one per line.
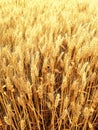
[48, 64]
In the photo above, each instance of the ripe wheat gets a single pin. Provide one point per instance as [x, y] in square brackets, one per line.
[48, 65]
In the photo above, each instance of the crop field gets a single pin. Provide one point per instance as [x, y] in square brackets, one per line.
[48, 64]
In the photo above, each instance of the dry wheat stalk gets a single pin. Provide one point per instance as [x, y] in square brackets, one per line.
[48, 65]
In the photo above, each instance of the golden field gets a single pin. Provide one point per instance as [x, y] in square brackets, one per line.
[48, 65]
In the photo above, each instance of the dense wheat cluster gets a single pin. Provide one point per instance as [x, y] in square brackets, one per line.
[48, 65]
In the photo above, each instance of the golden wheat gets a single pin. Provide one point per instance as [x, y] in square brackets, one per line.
[48, 65]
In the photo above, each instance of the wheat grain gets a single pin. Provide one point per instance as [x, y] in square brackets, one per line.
[48, 64]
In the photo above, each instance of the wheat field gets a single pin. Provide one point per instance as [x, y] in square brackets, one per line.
[48, 65]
